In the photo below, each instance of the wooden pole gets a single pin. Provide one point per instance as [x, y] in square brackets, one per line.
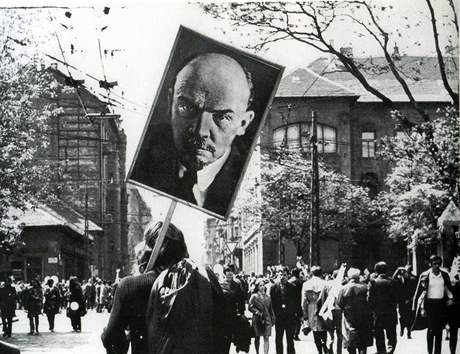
[159, 242]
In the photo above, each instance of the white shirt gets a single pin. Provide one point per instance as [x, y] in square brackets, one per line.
[435, 286]
[205, 177]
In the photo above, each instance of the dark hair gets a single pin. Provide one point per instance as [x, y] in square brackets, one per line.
[435, 258]
[229, 268]
[381, 267]
[173, 249]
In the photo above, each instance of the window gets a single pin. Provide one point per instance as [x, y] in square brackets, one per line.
[297, 136]
[368, 144]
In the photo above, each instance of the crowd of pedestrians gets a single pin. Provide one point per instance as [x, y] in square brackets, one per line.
[51, 297]
[179, 307]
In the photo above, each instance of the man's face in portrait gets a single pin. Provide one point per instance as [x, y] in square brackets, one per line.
[209, 108]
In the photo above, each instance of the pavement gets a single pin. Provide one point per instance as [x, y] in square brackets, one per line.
[64, 341]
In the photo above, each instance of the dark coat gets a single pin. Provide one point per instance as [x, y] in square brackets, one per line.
[75, 294]
[8, 301]
[418, 304]
[52, 300]
[184, 314]
[34, 302]
[383, 297]
[128, 312]
[157, 167]
[352, 299]
[289, 310]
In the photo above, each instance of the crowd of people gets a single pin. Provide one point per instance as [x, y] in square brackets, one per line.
[51, 297]
[179, 307]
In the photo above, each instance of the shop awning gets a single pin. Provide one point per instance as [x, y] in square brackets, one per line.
[58, 214]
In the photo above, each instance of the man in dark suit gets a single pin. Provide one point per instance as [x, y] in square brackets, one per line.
[287, 309]
[198, 156]
[382, 302]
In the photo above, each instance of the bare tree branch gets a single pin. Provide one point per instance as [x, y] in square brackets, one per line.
[442, 67]
[454, 20]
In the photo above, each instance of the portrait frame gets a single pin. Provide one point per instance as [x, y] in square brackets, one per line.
[188, 44]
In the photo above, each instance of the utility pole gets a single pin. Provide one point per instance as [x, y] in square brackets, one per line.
[86, 239]
[314, 210]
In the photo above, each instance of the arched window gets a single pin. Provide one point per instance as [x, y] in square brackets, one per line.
[297, 136]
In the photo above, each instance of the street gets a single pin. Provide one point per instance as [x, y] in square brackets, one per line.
[64, 341]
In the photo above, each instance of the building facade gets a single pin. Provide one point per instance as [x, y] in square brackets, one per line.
[89, 147]
[350, 122]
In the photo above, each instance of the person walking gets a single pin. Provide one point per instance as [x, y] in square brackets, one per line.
[7, 306]
[454, 316]
[76, 308]
[132, 296]
[432, 297]
[263, 316]
[234, 303]
[356, 326]
[34, 305]
[311, 291]
[287, 311]
[382, 302]
[407, 284]
[52, 302]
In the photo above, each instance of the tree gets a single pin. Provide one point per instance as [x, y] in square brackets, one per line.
[312, 23]
[418, 193]
[285, 207]
[26, 95]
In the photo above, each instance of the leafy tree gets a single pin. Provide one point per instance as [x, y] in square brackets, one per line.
[285, 185]
[26, 95]
[426, 160]
[420, 185]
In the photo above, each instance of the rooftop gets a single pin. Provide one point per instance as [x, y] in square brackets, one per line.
[59, 214]
[421, 73]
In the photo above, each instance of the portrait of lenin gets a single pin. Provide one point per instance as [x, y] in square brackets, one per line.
[204, 122]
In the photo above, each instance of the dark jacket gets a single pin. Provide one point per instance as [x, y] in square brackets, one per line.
[75, 294]
[383, 296]
[157, 167]
[421, 294]
[128, 312]
[184, 314]
[34, 302]
[352, 299]
[288, 310]
[8, 301]
[52, 300]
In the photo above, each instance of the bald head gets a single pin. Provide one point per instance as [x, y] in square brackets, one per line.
[209, 108]
[213, 70]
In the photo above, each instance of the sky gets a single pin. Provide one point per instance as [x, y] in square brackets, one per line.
[141, 34]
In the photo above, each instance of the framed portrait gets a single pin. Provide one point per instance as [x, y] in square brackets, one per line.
[204, 123]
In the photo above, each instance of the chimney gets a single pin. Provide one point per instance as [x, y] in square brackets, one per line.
[347, 51]
[54, 66]
[396, 55]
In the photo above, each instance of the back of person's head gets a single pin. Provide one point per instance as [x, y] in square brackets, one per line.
[295, 272]
[229, 268]
[173, 249]
[381, 267]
